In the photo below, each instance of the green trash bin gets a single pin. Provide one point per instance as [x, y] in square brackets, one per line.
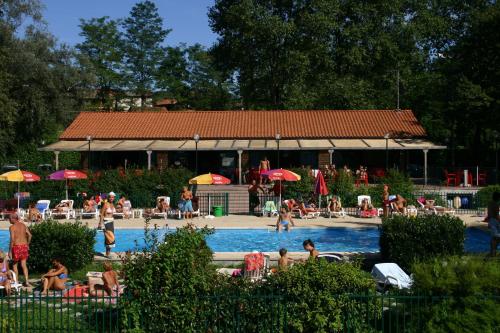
[218, 211]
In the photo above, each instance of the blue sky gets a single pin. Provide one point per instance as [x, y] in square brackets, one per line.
[187, 18]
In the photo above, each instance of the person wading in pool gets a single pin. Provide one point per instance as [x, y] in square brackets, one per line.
[309, 246]
[284, 220]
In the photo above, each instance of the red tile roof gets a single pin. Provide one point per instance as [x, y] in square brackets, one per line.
[290, 124]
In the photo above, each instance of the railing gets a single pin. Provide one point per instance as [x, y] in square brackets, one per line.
[227, 313]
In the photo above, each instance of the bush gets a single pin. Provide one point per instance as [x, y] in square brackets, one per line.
[472, 283]
[344, 188]
[304, 188]
[405, 240]
[72, 243]
[483, 196]
[167, 280]
[315, 294]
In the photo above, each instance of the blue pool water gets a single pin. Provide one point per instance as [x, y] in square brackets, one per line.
[247, 240]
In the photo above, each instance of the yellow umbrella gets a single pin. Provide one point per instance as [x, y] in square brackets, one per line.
[210, 179]
[19, 176]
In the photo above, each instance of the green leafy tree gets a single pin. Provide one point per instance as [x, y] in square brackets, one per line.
[143, 38]
[104, 50]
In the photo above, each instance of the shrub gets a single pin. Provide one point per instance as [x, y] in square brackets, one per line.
[472, 284]
[344, 188]
[72, 243]
[315, 294]
[406, 240]
[484, 195]
[167, 281]
[304, 188]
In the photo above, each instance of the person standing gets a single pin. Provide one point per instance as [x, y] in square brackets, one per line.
[187, 203]
[494, 222]
[20, 238]
[253, 195]
[264, 167]
[385, 200]
[106, 218]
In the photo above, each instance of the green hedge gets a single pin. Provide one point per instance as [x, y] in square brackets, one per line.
[485, 194]
[405, 240]
[72, 243]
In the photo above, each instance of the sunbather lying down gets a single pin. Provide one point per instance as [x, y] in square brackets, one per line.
[111, 286]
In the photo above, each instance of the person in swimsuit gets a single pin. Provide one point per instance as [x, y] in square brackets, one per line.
[20, 238]
[264, 167]
[309, 246]
[253, 193]
[106, 218]
[111, 286]
[385, 200]
[334, 204]
[284, 261]
[284, 220]
[186, 197]
[55, 278]
[493, 219]
[5, 276]
[33, 213]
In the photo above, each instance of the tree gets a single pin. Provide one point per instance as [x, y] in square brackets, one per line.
[103, 47]
[143, 38]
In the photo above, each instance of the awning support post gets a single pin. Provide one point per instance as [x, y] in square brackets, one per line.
[330, 152]
[149, 152]
[425, 166]
[239, 166]
[56, 153]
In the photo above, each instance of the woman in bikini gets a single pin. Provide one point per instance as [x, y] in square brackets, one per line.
[285, 220]
[106, 218]
[5, 276]
[111, 286]
[55, 278]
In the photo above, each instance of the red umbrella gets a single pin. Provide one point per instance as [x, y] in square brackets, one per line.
[282, 174]
[320, 187]
[67, 174]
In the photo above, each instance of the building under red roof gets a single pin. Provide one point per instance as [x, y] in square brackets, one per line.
[231, 140]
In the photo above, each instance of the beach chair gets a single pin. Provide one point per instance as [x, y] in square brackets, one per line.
[14, 283]
[126, 210]
[332, 257]
[374, 212]
[431, 209]
[43, 208]
[256, 265]
[302, 214]
[169, 211]
[91, 214]
[390, 275]
[331, 213]
[269, 209]
[67, 212]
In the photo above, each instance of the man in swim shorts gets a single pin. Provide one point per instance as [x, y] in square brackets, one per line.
[20, 237]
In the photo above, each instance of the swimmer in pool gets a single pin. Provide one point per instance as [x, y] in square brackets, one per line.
[285, 220]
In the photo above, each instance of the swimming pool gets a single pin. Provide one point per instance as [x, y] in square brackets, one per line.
[332, 239]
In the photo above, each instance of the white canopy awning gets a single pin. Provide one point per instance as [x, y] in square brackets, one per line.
[285, 144]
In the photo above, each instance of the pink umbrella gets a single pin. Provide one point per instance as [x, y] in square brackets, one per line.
[67, 174]
[320, 187]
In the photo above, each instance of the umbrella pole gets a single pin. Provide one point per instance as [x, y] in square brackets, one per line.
[18, 195]
[66, 189]
[279, 203]
[319, 201]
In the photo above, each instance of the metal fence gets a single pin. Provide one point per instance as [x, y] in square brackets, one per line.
[231, 313]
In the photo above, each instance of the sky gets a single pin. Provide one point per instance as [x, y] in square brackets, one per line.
[187, 18]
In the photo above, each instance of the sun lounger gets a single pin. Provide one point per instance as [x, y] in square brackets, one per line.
[66, 212]
[43, 207]
[332, 257]
[14, 283]
[390, 274]
[340, 213]
[374, 212]
[256, 265]
[269, 209]
[91, 214]
[159, 214]
[432, 209]
[126, 210]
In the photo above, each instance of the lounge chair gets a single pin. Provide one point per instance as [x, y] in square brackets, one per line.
[304, 214]
[428, 207]
[370, 213]
[14, 283]
[169, 211]
[91, 214]
[126, 210]
[340, 213]
[256, 265]
[390, 274]
[269, 209]
[43, 208]
[332, 257]
[67, 212]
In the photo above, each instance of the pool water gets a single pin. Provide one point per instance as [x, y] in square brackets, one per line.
[246, 240]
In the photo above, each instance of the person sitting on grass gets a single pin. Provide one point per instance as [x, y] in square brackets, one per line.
[284, 261]
[284, 220]
[309, 246]
[55, 278]
[5, 276]
[111, 286]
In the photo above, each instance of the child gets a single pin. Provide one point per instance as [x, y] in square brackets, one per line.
[284, 261]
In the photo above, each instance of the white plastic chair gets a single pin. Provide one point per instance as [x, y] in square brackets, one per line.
[380, 211]
[43, 207]
[66, 213]
[14, 284]
[340, 213]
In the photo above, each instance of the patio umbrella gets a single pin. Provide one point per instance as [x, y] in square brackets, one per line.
[210, 179]
[19, 176]
[67, 174]
[280, 175]
[320, 187]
